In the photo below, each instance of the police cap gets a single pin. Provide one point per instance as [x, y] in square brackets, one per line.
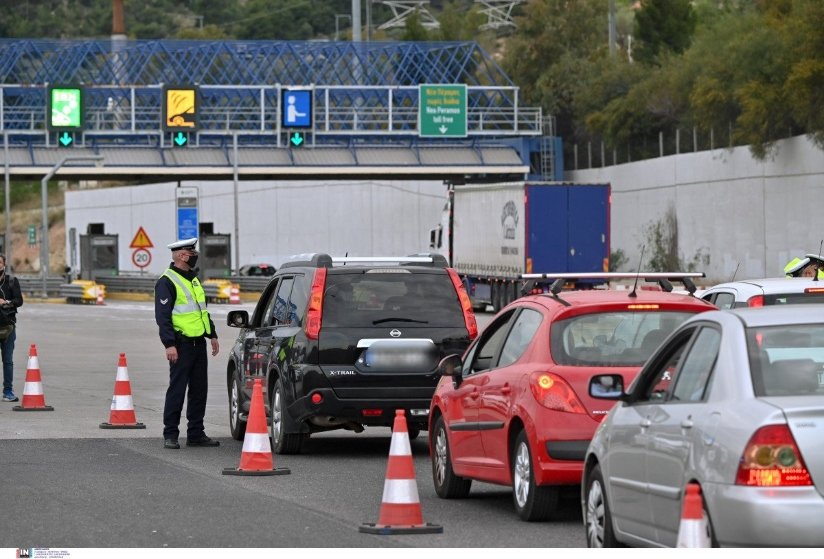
[188, 244]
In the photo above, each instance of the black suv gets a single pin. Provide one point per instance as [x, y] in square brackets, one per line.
[342, 343]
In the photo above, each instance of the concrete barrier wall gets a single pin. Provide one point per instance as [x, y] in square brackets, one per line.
[743, 213]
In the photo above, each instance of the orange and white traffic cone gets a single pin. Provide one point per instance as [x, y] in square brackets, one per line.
[99, 289]
[256, 457]
[694, 530]
[400, 508]
[234, 295]
[122, 411]
[33, 397]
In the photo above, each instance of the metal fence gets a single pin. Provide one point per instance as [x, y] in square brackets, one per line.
[32, 286]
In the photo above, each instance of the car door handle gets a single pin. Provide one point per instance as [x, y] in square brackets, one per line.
[687, 424]
[645, 423]
[474, 394]
[505, 389]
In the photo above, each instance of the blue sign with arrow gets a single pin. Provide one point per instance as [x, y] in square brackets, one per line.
[180, 139]
[65, 139]
[297, 139]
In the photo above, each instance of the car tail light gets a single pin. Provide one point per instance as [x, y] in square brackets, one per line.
[755, 301]
[772, 459]
[552, 392]
[315, 311]
[814, 290]
[466, 305]
[317, 398]
[372, 412]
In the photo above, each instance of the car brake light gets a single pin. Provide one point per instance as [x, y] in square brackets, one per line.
[466, 305]
[772, 459]
[317, 398]
[552, 392]
[372, 412]
[647, 307]
[756, 301]
[814, 290]
[315, 311]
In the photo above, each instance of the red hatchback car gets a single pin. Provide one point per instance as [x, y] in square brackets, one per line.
[515, 409]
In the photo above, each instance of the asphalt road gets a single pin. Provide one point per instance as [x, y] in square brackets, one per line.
[67, 483]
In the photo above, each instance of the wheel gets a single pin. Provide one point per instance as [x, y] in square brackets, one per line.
[495, 299]
[236, 425]
[597, 516]
[447, 484]
[532, 502]
[282, 442]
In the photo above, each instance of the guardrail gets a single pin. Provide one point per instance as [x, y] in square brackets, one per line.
[32, 286]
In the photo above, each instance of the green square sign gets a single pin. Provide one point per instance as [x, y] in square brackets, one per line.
[442, 110]
[65, 111]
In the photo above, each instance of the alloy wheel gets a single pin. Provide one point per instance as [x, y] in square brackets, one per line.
[596, 517]
[521, 475]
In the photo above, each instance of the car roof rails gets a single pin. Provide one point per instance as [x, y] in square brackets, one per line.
[308, 260]
[663, 279]
[434, 260]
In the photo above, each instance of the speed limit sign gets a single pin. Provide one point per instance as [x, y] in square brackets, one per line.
[141, 257]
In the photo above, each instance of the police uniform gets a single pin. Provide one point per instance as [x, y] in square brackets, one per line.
[185, 324]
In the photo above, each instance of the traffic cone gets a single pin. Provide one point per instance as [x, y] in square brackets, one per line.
[99, 289]
[122, 412]
[33, 397]
[234, 295]
[256, 457]
[400, 508]
[694, 530]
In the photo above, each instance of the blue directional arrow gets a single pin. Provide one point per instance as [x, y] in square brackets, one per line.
[180, 139]
[65, 139]
[296, 139]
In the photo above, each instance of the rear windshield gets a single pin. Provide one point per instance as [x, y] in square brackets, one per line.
[616, 339]
[391, 298]
[787, 361]
[793, 298]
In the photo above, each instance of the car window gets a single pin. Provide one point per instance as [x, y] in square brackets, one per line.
[697, 365]
[298, 301]
[520, 336]
[724, 300]
[263, 310]
[283, 313]
[391, 298]
[656, 381]
[620, 338]
[787, 360]
[484, 353]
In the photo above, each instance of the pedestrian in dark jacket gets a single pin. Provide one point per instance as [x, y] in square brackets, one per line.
[10, 299]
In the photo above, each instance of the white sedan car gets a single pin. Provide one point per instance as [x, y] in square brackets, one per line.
[731, 400]
[765, 292]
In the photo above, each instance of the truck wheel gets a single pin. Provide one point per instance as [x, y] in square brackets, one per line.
[496, 297]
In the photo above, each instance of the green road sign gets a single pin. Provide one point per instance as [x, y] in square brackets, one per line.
[65, 108]
[442, 111]
[297, 139]
[65, 139]
[32, 235]
[180, 139]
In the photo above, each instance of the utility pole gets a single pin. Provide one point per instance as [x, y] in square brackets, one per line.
[356, 21]
[612, 27]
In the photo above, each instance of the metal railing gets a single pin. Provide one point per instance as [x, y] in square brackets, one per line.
[32, 286]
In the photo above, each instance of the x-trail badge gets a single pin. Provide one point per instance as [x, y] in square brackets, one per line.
[395, 333]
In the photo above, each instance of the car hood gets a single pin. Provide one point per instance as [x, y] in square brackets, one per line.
[805, 417]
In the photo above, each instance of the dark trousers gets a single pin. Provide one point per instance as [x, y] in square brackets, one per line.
[7, 349]
[190, 371]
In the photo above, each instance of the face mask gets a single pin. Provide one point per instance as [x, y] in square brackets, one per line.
[192, 262]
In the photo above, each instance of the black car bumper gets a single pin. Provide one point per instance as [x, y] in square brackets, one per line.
[374, 412]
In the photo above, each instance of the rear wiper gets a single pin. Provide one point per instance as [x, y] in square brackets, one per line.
[382, 320]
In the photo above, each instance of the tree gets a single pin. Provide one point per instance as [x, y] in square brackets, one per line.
[663, 25]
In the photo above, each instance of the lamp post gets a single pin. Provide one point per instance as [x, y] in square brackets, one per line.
[44, 245]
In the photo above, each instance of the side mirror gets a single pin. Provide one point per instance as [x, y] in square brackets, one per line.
[607, 387]
[450, 366]
[237, 319]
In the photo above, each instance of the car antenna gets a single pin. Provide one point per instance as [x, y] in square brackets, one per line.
[638, 273]
[737, 264]
[818, 264]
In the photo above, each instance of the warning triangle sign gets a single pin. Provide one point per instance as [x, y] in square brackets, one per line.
[141, 239]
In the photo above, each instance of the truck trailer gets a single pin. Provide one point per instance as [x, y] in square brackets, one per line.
[493, 233]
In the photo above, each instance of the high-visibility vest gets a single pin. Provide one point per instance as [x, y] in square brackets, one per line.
[189, 315]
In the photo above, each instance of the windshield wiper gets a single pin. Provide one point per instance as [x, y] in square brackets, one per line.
[393, 319]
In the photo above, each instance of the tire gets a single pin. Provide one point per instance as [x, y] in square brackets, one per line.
[597, 516]
[494, 297]
[532, 502]
[236, 425]
[447, 484]
[282, 442]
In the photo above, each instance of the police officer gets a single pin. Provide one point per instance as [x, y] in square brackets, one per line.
[806, 267]
[185, 324]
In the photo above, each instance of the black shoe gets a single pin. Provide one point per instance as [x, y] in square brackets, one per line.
[202, 441]
[171, 443]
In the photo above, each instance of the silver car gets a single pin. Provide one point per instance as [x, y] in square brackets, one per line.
[732, 400]
[765, 292]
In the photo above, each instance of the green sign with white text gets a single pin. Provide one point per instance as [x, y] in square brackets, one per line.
[442, 111]
[65, 108]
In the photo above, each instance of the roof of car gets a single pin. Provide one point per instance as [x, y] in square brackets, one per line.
[770, 285]
[606, 296]
[777, 315]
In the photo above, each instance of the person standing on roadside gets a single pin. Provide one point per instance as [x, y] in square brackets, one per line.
[10, 299]
[185, 325]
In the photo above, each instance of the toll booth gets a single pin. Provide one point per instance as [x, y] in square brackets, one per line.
[215, 259]
[98, 256]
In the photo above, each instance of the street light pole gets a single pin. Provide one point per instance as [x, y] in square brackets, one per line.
[44, 187]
